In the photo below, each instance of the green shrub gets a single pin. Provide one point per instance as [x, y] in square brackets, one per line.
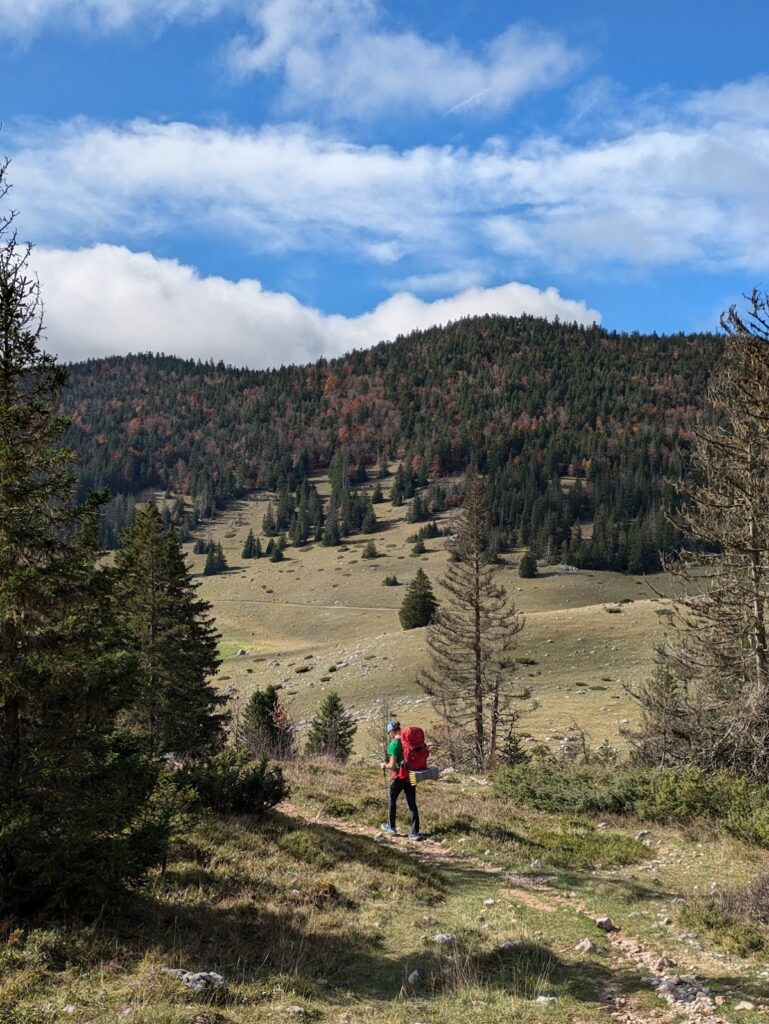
[231, 783]
[655, 794]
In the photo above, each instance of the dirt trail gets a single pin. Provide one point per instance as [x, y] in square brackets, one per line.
[627, 950]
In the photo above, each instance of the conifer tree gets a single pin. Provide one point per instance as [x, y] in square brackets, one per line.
[369, 551]
[269, 525]
[332, 731]
[419, 604]
[377, 496]
[173, 636]
[527, 567]
[277, 554]
[73, 787]
[708, 703]
[266, 729]
[249, 546]
[472, 639]
[258, 548]
[216, 561]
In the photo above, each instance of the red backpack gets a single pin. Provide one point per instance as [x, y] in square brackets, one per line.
[415, 750]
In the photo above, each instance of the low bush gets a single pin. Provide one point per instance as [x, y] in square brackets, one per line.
[677, 796]
[737, 919]
[231, 783]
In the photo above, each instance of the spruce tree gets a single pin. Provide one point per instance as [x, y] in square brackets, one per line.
[419, 604]
[527, 567]
[269, 525]
[173, 635]
[472, 640]
[419, 548]
[73, 824]
[249, 546]
[332, 731]
[377, 496]
[369, 551]
[277, 554]
[216, 561]
[266, 729]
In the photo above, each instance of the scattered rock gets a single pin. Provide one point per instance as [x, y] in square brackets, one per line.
[604, 824]
[199, 981]
[489, 903]
[586, 946]
[295, 1011]
[443, 937]
[745, 1004]
[606, 924]
[643, 834]
[414, 978]
[684, 989]
[546, 1000]
[663, 963]
[536, 863]
[506, 947]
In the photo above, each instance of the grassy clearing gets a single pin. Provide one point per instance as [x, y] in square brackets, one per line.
[297, 912]
[330, 603]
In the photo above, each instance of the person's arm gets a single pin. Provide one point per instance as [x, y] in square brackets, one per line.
[390, 764]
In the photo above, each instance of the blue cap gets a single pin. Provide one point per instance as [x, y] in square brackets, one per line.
[392, 726]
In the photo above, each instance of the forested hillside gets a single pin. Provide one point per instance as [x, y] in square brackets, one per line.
[527, 401]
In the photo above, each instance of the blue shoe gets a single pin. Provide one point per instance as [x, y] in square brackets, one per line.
[389, 829]
[416, 836]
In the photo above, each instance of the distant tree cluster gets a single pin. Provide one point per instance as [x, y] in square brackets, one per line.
[529, 404]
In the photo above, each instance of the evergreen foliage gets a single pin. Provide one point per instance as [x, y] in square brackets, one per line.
[370, 551]
[527, 567]
[232, 783]
[215, 561]
[250, 546]
[76, 821]
[266, 730]
[419, 604]
[176, 707]
[526, 401]
[332, 731]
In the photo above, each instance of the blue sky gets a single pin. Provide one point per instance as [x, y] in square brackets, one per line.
[267, 181]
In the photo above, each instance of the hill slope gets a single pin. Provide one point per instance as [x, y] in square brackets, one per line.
[527, 401]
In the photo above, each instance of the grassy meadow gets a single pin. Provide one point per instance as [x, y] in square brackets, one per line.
[322, 619]
[313, 915]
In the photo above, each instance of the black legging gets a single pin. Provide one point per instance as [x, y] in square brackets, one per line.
[398, 786]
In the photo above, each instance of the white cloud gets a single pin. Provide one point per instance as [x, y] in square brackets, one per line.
[340, 56]
[23, 19]
[691, 191]
[336, 55]
[108, 300]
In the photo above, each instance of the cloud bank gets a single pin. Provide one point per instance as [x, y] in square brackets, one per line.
[107, 300]
[692, 188]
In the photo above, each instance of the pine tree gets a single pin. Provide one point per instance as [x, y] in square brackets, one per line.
[332, 731]
[369, 522]
[419, 605]
[419, 547]
[527, 567]
[369, 551]
[377, 496]
[331, 536]
[472, 639]
[258, 548]
[216, 561]
[266, 729]
[73, 824]
[270, 547]
[249, 546]
[269, 525]
[277, 554]
[173, 635]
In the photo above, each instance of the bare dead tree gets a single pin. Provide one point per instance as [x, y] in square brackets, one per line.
[472, 640]
[708, 703]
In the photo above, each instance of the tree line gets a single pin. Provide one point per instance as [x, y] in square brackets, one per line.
[522, 401]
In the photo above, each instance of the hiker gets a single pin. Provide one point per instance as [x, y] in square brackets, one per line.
[400, 782]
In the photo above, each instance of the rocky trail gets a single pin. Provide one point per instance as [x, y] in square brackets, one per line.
[683, 994]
